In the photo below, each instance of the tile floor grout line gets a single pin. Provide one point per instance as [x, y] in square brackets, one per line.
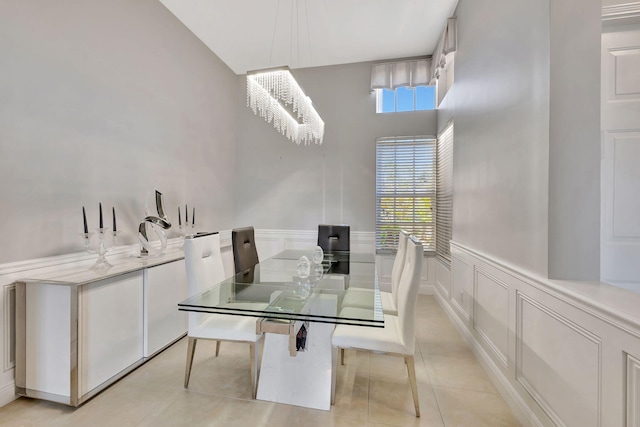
[435, 396]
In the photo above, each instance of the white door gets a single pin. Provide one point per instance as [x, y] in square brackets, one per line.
[620, 239]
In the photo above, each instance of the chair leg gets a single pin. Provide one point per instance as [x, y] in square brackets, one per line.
[191, 349]
[217, 348]
[334, 374]
[253, 350]
[414, 383]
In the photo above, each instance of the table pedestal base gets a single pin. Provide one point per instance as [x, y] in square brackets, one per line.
[303, 380]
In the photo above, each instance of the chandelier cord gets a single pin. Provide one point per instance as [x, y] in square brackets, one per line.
[297, 32]
[273, 36]
[291, 35]
[306, 12]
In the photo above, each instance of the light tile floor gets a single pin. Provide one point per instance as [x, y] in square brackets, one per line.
[372, 390]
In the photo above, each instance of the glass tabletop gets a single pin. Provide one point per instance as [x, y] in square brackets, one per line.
[336, 256]
[273, 289]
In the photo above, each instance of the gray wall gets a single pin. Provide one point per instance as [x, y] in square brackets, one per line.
[574, 140]
[508, 201]
[500, 106]
[284, 186]
[615, 2]
[104, 102]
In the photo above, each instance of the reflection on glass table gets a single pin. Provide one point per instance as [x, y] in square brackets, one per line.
[275, 281]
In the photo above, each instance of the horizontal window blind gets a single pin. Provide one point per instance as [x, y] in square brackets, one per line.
[444, 184]
[405, 190]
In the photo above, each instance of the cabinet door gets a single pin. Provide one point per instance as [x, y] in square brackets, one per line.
[47, 336]
[110, 328]
[165, 286]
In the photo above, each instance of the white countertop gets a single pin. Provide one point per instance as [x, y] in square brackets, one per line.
[124, 260]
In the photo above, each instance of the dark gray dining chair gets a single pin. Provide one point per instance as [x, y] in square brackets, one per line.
[245, 254]
[332, 238]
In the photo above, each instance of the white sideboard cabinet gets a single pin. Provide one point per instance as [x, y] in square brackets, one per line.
[164, 287]
[78, 330]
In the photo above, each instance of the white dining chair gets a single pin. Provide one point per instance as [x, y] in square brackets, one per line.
[361, 297]
[204, 266]
[397, 337]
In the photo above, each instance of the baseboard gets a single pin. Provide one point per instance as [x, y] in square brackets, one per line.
[427, 289]
[8, 394]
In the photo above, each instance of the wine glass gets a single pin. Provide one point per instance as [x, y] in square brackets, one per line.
[304, 267]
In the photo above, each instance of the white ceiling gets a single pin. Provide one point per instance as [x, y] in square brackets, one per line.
[255, 34]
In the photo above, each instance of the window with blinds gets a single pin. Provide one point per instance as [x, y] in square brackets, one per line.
[444, 190]
[405, 190]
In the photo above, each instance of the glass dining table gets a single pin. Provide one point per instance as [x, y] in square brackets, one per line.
[283, 303]
[276, 283]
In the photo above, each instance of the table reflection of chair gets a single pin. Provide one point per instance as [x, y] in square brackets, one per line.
[357, 297]
[397, 337]
[204, 269]
[245, 253]
[333, 238]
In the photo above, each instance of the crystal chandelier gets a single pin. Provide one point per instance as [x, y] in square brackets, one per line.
[277, 97]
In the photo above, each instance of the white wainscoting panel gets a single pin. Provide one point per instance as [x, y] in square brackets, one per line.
[558, 363]
[491, 314]
[561, 353]
[461, 286]
[443, 278]
[7, 334]
[9, 331]
[428, 276]
[633, 391]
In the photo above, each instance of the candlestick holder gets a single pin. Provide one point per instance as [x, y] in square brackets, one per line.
[184, 231]
[100, 246]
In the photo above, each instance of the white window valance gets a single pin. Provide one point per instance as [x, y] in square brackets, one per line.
[391, 75]
[447, 43]
[416, 72]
